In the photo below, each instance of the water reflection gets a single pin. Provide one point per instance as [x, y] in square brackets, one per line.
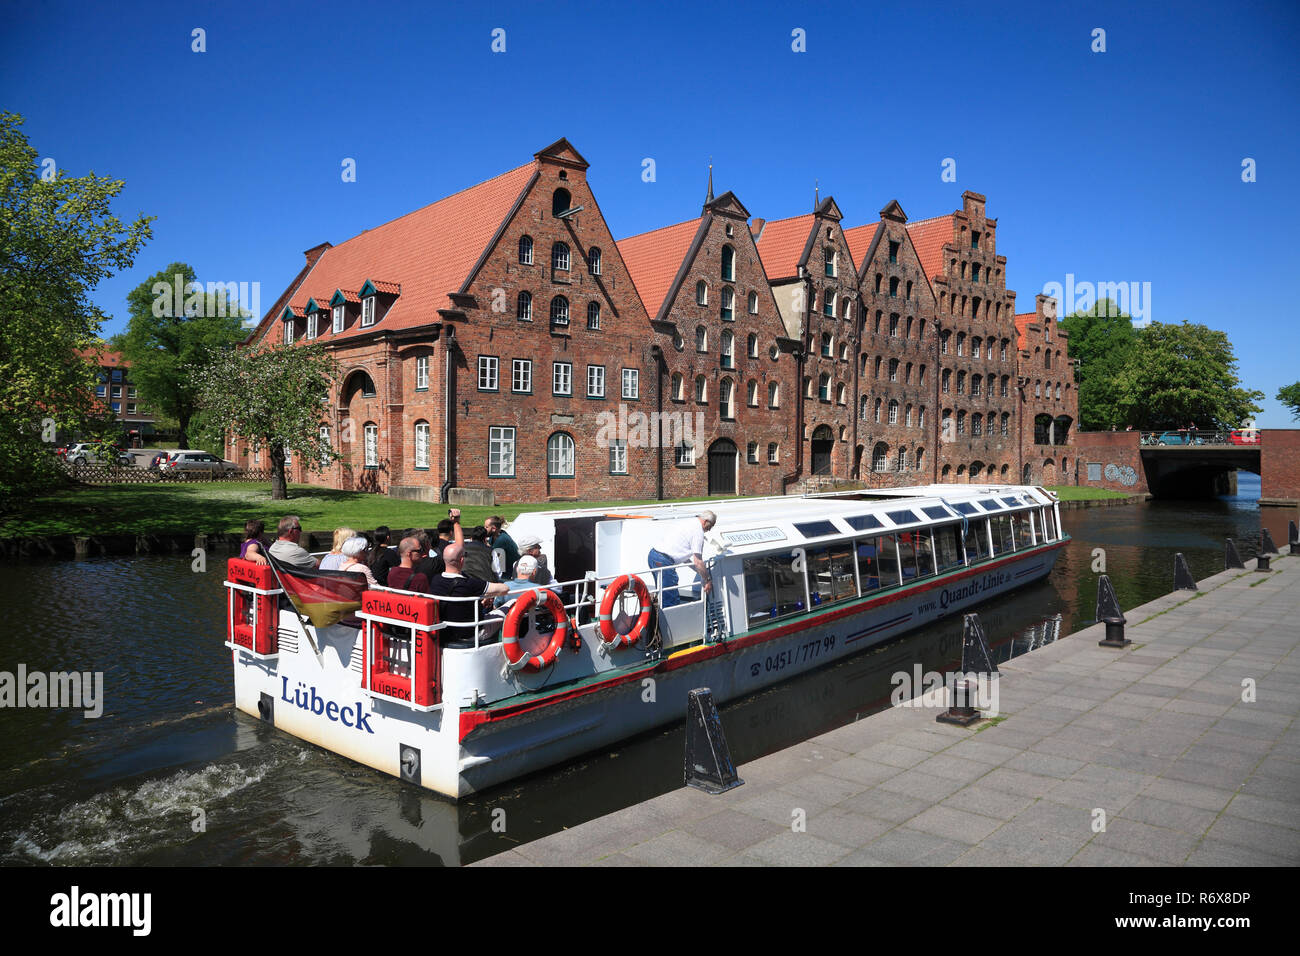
[124, 789]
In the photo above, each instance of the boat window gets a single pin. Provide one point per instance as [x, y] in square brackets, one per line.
[830, 574]
[988, 504]
[773, 588]
[976, 541]
[868, 564]
[936, 511]
[947, 545]
[1020, 526]
[1049, 525]
[914, 555]
[816, 529]
[864, 522]
[1013, 502]
[902, 517]
[924, 553]
[1002, 535]
[965, 507]
[887, 558]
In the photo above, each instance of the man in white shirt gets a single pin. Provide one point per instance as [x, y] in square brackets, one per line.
[683, 541]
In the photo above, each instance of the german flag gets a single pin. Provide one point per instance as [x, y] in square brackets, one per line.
[323, 597]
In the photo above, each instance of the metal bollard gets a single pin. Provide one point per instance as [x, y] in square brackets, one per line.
[1109, 613]
[1266, 545]
[1261, 563]
[708, 760]
[1231, 559]
[1183, 580]
[961, 709]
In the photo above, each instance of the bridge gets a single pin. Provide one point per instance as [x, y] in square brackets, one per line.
[1191, 464]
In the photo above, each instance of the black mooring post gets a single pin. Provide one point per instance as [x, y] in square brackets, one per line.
[1266, 545]
[1262, 562]
[976, 663]
[1293, 537]
[1183, 580]
[708, 761]
[1231, 559]
[1108, 613]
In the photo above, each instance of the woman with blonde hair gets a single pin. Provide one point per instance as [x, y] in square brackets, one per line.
[334, 560]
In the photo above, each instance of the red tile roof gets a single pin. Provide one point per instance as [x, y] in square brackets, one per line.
[432, 250]
[1023, 320]
[654, 258]
[929, 236]
[103, 356]
[859, 240]
[781, 245]
[387, 288]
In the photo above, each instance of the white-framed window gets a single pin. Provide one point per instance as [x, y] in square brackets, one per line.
[593, 261]
[701, 293]
[726, 394]
[524, 307]
[559, 310]
[421, 444]
[751, 394]
[501, 452]
[562, 378]
[526, 250]
[751, 453]
[631, 383]
[893, 411]
[893, 370]
[311, 325]
[701, 389]
[593, 316]
[101, 391]
[618, 456]
[880, 457]
[701, 339]
[371, 434]
[560, 257]
[422, 372]
[728, 349]
[773, 453]
[521, 375]
[595, 381]
[288, 332]
[488, 368]
[324, 445]
[678, 387]
[753, 303]
[753, 345]
[728, 304]
[902, 459]
[338, 317]
[773, 395]
[684, 455]
[559, 455]
[368, 311]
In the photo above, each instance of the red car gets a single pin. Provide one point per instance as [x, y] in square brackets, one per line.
[1247, 436]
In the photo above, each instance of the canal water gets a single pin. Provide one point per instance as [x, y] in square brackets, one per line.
[170, 773]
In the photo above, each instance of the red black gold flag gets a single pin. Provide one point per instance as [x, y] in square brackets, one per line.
[324, 597]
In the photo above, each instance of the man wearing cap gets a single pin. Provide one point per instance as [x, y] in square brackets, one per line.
[531, 547]
[683, 541]
[523, 580]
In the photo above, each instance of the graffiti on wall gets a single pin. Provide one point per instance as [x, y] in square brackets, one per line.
[1124, 474]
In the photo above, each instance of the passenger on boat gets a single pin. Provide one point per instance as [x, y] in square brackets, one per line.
[431, 564]
[255, 546]
[355, 550]
[404, 577]
[524, 579]
[499, 538]
[478, 556]
[532, 548]
[682, 542]
[286, 549]
[448, 530]
[385, 558]
[454, 583]
[334, 560]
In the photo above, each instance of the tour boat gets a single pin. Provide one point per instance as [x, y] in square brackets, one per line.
[798, 582]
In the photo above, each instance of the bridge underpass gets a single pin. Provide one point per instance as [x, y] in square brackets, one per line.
[1197, 471]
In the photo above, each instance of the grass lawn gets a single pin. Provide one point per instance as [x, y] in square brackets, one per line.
[223, 508]
[1071, 493]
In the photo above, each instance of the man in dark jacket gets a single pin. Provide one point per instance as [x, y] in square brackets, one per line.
[478, 556]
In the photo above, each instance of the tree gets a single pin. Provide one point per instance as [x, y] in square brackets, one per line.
[1102, 339]
[274, 396]
[1180, 374]
[173, 324]
[58, 240]
[1289, 395]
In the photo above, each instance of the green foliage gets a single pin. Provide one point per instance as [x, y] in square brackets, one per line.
[1102, 339]
[273, 396]
[1289, 395]
[58, 240]
[173, 325]
[1180, 374]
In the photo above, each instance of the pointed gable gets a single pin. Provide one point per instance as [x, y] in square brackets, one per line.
[929, 236]
[430, 252]
[562, 151]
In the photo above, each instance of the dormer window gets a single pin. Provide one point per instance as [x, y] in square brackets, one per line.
[593, 261]
[728, 264]
[288, 331]
[368, 311]
[338, 318]
[312, 326]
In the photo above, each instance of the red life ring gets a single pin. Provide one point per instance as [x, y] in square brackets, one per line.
[613, 594]
[516, 621]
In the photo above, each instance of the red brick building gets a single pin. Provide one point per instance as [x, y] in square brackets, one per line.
[118, 393]
[1049, 405]
[499, 340]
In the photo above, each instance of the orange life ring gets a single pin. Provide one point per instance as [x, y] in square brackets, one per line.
[606, 617]
[516, 621]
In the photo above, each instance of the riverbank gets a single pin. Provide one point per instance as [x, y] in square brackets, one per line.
[136, 519]
[1180, 749]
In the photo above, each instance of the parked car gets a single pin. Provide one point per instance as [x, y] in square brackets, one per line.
[1249, 436]
[189, 461]
[87, 453]
[1179, 437]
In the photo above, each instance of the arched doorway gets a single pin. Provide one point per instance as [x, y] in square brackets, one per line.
[723, 459]
[823, 442]
[1027, 476]
[1049, 472]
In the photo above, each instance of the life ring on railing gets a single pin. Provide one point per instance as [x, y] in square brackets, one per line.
[613, 594]
[516, 622]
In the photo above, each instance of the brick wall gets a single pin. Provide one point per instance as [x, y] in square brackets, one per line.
[1279, 456]
[1120, 459]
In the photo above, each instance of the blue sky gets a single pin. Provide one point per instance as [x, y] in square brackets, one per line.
[1122, 166]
